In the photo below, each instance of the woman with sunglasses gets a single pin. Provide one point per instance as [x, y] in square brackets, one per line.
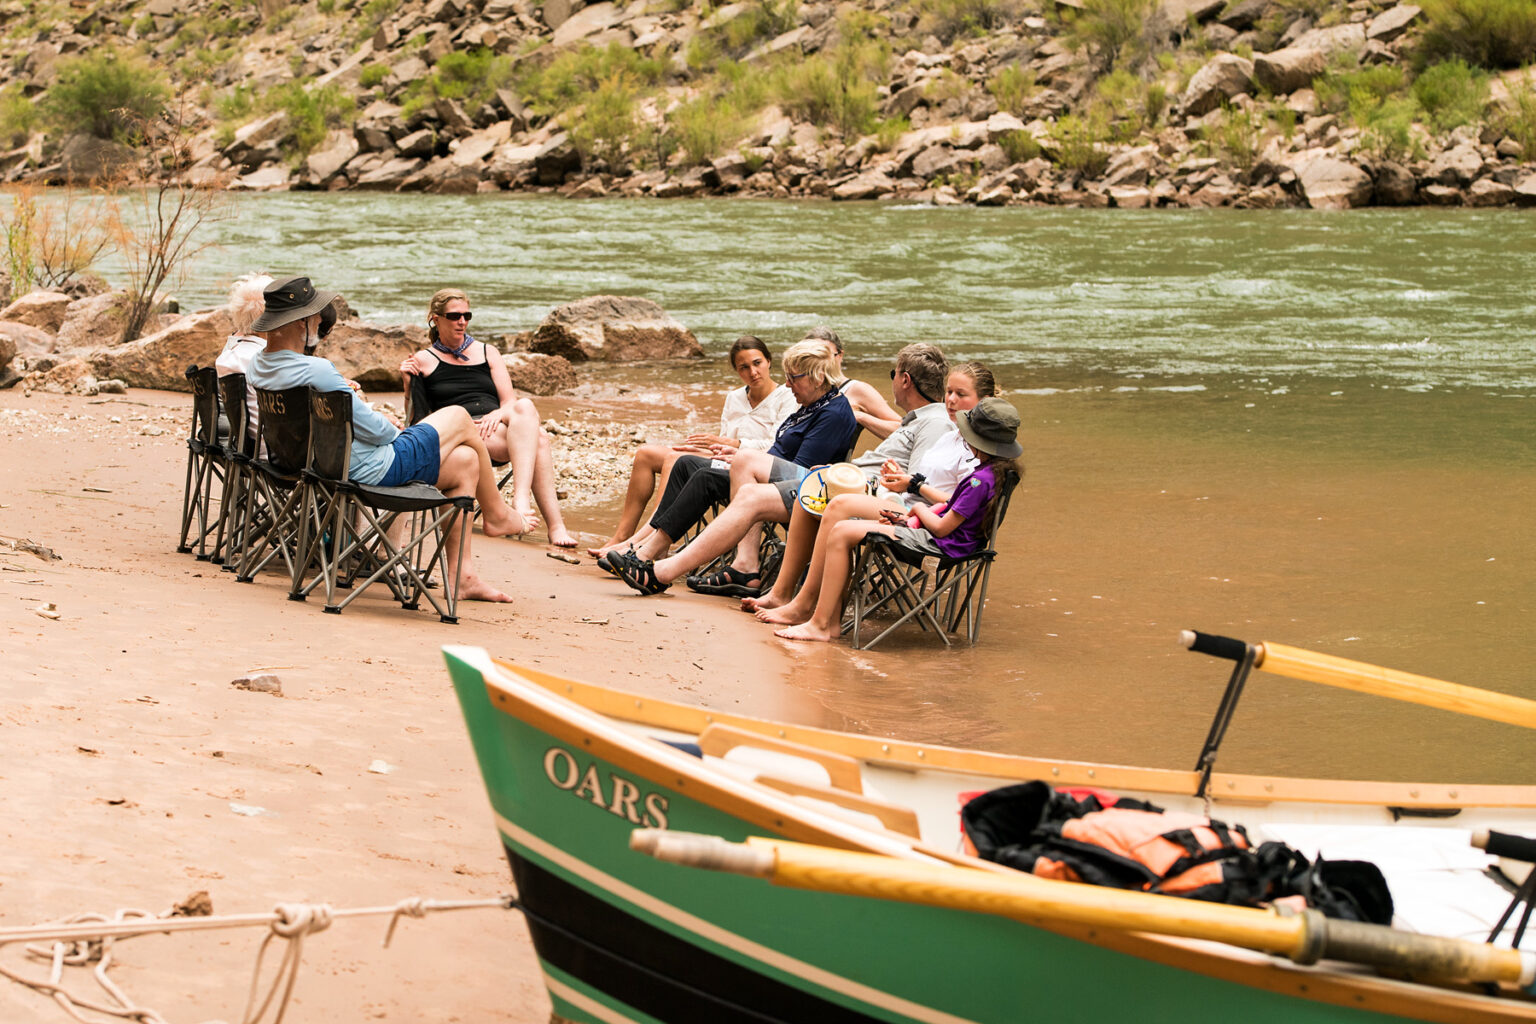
[458, 370]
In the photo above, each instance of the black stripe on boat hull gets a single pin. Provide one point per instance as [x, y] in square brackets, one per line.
[652, 970]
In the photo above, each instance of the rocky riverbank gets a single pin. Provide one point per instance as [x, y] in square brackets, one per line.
[1249, 103]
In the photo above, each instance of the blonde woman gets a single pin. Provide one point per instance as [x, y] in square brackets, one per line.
[458, 370]
[245, 305]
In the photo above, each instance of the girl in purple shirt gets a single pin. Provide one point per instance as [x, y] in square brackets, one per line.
[991, 431]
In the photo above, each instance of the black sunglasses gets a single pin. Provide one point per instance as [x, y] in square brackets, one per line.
[466, 317]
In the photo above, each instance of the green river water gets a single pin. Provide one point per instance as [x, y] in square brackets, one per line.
[1315, 429]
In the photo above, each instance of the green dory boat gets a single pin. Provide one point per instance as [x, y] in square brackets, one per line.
[573, 770]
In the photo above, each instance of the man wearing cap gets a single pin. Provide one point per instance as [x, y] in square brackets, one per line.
[445, 448]
[917, 384]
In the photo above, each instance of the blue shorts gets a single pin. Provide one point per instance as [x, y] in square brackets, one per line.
[417, 457]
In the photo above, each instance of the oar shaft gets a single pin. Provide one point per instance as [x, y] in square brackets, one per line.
[1328, 670]
[1028, 898]
[1304, 938]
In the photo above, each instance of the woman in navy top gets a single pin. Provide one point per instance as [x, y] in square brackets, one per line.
[819, 432]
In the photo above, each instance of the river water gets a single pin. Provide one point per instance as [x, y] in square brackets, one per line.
[1315, 429]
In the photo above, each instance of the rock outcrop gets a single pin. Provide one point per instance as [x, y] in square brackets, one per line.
[160, 360]
[614, 328]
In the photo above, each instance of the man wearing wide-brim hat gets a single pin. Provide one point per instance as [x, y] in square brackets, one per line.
[444, 449]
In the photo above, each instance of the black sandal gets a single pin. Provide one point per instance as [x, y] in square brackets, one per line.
[640, 574]
[728, 582]
[610, 561]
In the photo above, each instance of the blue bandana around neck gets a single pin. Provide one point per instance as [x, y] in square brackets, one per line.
[456, 352]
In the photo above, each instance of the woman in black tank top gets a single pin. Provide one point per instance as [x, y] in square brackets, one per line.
[458, 370]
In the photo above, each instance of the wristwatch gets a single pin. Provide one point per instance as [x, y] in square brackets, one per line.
[915, 484]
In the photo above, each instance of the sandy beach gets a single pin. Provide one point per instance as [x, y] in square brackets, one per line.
[136, 774]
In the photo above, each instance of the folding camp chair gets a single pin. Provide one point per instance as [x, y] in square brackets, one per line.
[352, 521]
[276, 506]
[207, 466]
[889, 575]
[239, 451]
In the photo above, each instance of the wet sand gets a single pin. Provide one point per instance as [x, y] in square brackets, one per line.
[128, 752]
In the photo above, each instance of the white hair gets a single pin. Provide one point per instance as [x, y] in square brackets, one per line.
[247, 302]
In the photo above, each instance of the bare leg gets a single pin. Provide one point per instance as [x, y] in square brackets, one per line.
[754, 504]
[652, 464]
[544, 494]
[520, 434]
[826, 622]
[798, 546]
[841, 509]
[455, 479]
[454, 430]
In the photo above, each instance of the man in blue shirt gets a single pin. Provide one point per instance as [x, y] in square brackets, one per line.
[444, 449]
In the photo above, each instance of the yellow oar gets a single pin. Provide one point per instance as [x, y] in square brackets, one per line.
[1304, 938]
[1363, 677]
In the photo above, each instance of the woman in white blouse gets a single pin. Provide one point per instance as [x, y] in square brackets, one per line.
[749, 419]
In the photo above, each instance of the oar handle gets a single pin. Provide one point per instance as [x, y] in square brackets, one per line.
[1362, 677]
[1502, 844]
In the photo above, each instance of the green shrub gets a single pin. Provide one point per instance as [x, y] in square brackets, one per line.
[717, 117]
[234, 105]
[374, 14]
[372, 75]
[1107, 27]
[947, 86]
[1238, 136]
[1019, 146]
[311, 113]
[471, 76]
[1077, 144]
[1451, 93]
[836, 89]
[327, 6]
[18, 116]
[1484, 33]
[606, 128]
[948, 19]
[889, 131]
[572, 76]
[105, 94]
[1388, 129]
[1129, 105]
[1518, 119]
[1359, 92]
[764, 19]
[1012, 87]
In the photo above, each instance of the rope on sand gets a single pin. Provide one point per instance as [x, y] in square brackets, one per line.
[86, 940]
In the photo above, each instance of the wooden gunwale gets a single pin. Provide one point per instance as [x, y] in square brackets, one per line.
[765, 809]
[631, 707]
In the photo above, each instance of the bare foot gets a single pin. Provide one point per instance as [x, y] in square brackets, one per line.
[805, 631]
[788, 615]
[760, 604]
[607, 546]
[562, 538]
[497, 524]
[476, 589]
[531, 519]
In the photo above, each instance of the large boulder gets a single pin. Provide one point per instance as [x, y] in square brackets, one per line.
[1224, 76]
[1392, 22]
[1329, 183]
[371, 354]
[1525, 190]
[160, 360]
[94, 322]
[1395, 185]
[1287, 70]
[614, 328]
[89, 160]
[43, 310]
[540, 374]
[24, 340]
[1457, 166]
[869, 185]
[7, 350]
[1346, 38]
[321, 166]
[71, 377]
